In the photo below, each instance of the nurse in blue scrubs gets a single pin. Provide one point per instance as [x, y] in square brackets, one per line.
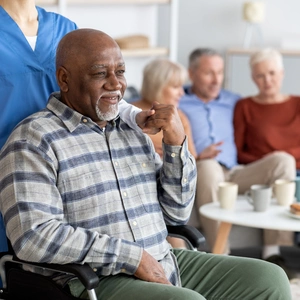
[28, 39]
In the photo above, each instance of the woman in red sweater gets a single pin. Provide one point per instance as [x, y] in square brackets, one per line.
[266, 124]
[270, 120]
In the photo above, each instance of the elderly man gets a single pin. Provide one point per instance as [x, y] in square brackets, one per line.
[79, 185]
[210, 111]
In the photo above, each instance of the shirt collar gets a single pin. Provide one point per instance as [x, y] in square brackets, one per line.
[188, 91]
[69, 116]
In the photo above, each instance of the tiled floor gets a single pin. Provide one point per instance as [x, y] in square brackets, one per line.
[295, 288]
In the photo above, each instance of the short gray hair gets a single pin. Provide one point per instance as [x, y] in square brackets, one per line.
[266, 54]
[199, 52]
[157, 74]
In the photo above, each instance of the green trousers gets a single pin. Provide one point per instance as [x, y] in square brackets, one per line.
[203, 276]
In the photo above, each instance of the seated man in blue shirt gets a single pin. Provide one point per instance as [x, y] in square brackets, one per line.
[78, 185]
[210, 111]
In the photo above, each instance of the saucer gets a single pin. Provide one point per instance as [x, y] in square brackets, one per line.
[292, 215]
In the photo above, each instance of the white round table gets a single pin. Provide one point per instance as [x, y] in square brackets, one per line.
[276, 217]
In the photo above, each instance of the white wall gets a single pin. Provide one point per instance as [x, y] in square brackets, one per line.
[202, 23]
[219, 24]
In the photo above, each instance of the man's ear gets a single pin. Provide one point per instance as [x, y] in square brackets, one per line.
[62, 79]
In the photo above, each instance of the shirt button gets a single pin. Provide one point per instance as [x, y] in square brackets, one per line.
[124, 194]
[173, 154]
[184, 180]
[84, 120]
[134, 223]
[116, 164]
[144, 165]
[95, 270]
[123, 270]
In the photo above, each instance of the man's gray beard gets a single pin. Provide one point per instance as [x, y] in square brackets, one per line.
[109, 115]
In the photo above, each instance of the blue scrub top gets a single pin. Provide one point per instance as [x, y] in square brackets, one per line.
[27, 77]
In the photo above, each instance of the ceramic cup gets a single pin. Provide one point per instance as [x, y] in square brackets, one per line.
[227, 194]
[259, 196]
[297, 192]
[284, 191]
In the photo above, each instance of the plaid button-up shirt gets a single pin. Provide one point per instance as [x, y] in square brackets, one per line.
[72, 192]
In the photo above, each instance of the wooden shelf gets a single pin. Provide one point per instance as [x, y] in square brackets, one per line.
[103, 2]
[46, 2]
[238, 71]
[157, 51]
[110, 2]
[247, 51]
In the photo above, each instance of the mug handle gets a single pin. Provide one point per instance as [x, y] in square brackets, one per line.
[272, 186]
[249, 199]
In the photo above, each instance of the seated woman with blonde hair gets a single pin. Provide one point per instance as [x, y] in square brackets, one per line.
[163, 82]
[268, 123]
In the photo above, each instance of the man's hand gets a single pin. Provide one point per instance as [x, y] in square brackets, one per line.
[210, 152]
[141, 119]
[150, 270]
[166, 118]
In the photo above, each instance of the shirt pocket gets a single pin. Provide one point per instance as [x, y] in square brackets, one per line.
[143, 174]
[85, 197]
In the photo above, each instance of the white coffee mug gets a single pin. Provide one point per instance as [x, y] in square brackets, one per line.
[259, 196]
[227, 194]
[284, 191]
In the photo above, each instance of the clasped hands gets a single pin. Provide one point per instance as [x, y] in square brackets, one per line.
[165, 118]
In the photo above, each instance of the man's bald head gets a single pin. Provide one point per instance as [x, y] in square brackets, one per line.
[79, 43]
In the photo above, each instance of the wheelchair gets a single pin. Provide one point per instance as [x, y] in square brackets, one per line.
[20, 284]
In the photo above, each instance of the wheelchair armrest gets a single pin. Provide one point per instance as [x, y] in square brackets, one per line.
[188, 232]
[84, 272]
